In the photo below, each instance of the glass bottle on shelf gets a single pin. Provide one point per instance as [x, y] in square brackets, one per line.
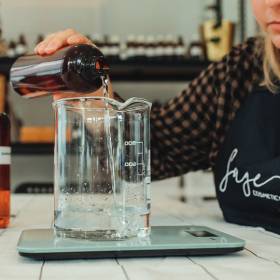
[11, 52]
[114, 47]
[130, 47]
[196, 48]
[21, 47]
[150, 47]
[140, 49]
[159, 49]
[180, 49]
[169, 47]
[39, 39]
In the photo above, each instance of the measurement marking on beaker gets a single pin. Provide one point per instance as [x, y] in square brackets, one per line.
[140, 160]
[130, 164]
[139, 163]
[130, 143]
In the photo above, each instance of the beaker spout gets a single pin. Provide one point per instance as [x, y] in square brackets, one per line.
[133, 103]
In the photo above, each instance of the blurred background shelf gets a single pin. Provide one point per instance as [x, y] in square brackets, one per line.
[145, 70]
[5, 65]
[184, 70]
[32, 148]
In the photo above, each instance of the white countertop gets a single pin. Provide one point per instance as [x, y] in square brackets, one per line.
[260, 259]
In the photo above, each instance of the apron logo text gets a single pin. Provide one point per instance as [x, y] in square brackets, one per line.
[245, 180]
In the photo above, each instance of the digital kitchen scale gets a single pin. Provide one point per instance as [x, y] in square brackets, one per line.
[42, 244]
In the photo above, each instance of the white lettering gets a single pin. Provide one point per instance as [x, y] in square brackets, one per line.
[245, 180]
[130, 164]
[266, 195]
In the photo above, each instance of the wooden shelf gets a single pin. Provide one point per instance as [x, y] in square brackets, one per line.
[32, 149]
[6, 64]
[167, 71]
[141, 70]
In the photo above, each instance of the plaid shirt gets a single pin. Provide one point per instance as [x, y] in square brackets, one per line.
[187, 132]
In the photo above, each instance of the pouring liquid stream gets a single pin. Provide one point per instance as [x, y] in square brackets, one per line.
[105, 81]
[108, 137]
[130, 218]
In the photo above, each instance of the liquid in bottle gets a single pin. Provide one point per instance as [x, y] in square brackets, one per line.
[77, 68]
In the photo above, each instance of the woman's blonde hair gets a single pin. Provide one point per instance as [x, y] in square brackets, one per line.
[271, 65]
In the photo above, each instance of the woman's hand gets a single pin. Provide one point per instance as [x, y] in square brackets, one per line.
[58, 40]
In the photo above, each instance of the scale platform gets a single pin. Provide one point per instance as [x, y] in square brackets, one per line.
[42, 244]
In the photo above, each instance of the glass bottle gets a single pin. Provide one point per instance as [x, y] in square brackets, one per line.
[5, 162]
[77, 68]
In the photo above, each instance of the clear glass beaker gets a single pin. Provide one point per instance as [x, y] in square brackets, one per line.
[102, 168]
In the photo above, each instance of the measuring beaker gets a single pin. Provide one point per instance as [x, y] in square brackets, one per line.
[102, 168]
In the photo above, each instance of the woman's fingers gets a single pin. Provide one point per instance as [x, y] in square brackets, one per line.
[60, 39]
[78, 39]
[40, 47]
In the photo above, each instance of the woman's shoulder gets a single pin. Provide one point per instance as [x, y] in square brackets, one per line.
[236, 74]
[252, 47]
[241, 67]
[249, 46]
[246, 56]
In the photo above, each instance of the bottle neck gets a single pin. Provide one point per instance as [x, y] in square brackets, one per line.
[84, 68]
[89, 66]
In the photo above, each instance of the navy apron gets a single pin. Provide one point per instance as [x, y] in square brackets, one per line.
[247, 170]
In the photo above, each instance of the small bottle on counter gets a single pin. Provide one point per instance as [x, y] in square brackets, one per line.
[5, 162]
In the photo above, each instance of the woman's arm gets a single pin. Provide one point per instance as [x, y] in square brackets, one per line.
[182, 129]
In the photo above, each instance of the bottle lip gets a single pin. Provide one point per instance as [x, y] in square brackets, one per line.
[101, 65]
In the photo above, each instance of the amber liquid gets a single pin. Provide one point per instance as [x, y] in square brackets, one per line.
[4, 172]
[4, 208]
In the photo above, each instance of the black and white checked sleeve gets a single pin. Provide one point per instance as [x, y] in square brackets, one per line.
[187, 131]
